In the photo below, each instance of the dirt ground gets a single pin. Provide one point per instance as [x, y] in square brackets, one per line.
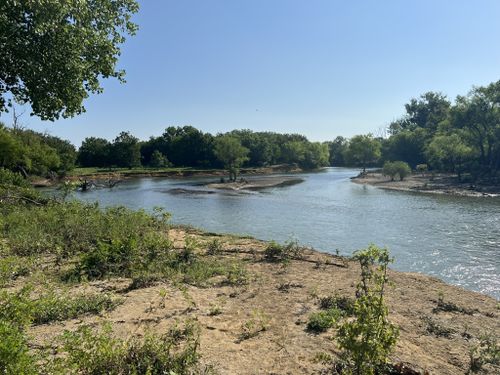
[428, 183]
[278, 301]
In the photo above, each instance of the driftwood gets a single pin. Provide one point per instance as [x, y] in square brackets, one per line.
[86, 185]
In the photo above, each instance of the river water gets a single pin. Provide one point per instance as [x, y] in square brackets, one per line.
[454, 238]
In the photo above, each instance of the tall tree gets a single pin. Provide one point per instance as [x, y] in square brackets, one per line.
[363, 150]
[53, 52]
[231, 153]
[126, 151]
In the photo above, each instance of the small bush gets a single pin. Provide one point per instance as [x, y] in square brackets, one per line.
[448, 306]
[54, 307]
[214, 247]
[8, 177]
[323, 320]
[109, 259]
[344, 304]
[396, 168]
[275, 252]
[90, 352]
[15, 357]
[12, 267]
[252, 327]
[437, 329]
[487, 351]
[369, 338]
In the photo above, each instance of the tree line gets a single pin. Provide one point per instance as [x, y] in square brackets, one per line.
[461, 137]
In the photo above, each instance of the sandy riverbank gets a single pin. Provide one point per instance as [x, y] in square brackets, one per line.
[426, 183]
[281, 298]
[257, 183]
[124, 174]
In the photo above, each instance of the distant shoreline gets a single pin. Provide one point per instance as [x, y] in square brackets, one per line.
[101, 174]
[444, 184]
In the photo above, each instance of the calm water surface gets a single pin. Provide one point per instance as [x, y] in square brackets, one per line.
[454, 238]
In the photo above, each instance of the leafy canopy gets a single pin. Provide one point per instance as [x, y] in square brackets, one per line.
[55, 52]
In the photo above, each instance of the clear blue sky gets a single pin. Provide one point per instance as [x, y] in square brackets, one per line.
[318, 67]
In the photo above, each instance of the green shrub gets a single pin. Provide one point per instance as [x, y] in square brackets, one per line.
[389, 169]
[275, 252]
[12, 267]
[369, 338]
[396, 168]
[403, 169]
[322, 320]
[69, 228]
[15, 357]
[487, 351]
[109, 259]
[8, 177]
[53, 307]
[344, 304]
[89, 352]
[214, 247]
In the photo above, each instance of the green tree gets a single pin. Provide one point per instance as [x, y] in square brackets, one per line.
[55, 52]
[478, 114]
[94, 152]
[231, 153]
[402, 169]
[449, 152]
[337, 150]
[363, 150]
[316, 155]
[390, 170]
[126, 151]
[158, 160]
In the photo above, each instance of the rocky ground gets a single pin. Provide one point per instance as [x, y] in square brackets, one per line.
[428, 183]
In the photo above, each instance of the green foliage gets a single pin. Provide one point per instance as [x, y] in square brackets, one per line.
[214, 247]
[158, 160]
[8, 177]
[256, 324]
[275, 252]
[15, 357]
[363, 150]
[487, 351]
[89, 352]
[79, 43]
[449, 153]
[322, 320]
[396, 168]
[11, 267]
[369, 338]
[73, 227]
[52, 307]
[231, 153]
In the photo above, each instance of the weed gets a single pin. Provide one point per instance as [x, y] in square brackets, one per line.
[323, 320]
[487, 351]
[275, 252]
[89, 352]
[252, 327]
[447, 306]
[342, 303]
[437, 329]
[214, 247]
[322, 357]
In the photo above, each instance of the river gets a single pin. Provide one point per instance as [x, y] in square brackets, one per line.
[454, 238]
